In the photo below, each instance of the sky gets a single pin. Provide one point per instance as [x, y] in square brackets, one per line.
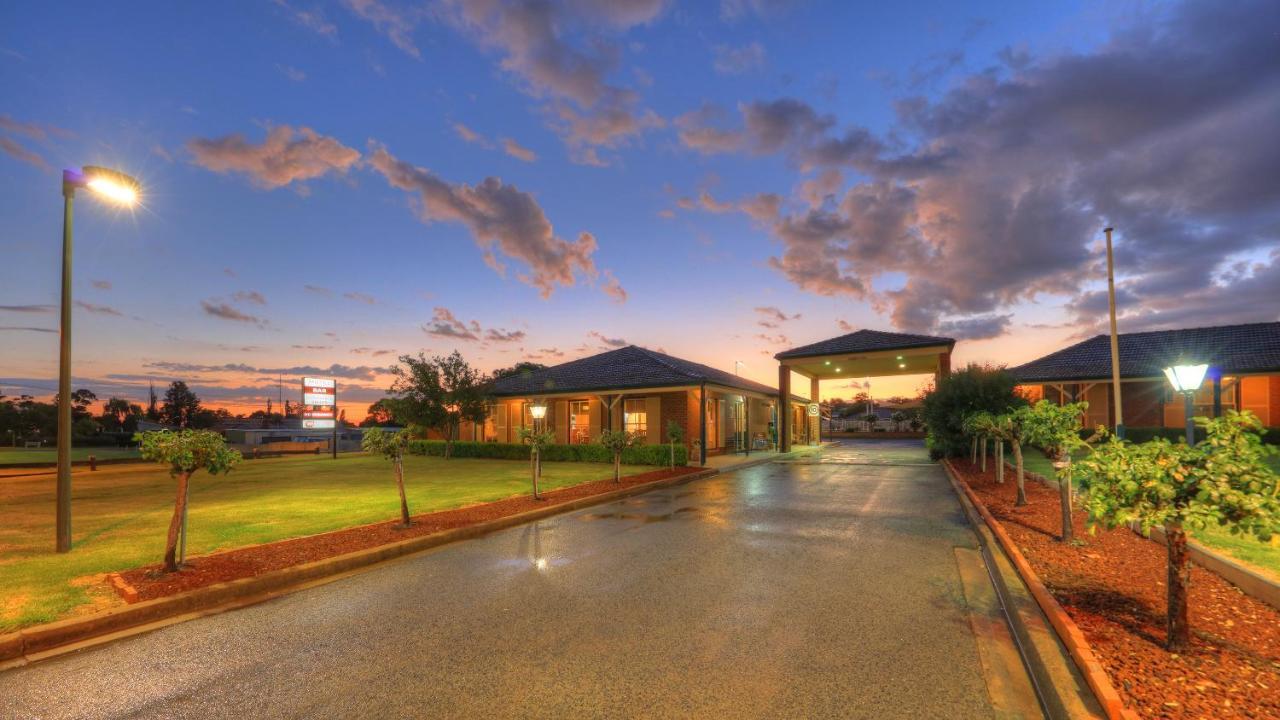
[329, 185]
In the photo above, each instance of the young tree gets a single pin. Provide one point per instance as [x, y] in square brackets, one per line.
[392, 446]
[438, 393]
[1223, 481]
[675, 433]
[537, 441]
[185, 452]
[1056, 429]
[898, 418]
[181, 405]
[1011, 428]
[616, 441]
[870, 419]
[972, 389]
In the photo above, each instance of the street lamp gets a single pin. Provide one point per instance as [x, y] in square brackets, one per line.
[119, 189]
[539, 411]
[1186, 379]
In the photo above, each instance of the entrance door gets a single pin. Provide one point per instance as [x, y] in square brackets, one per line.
[713, 424]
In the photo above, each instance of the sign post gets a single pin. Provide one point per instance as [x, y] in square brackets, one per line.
[320, 407]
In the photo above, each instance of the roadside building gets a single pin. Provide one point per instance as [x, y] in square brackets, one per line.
[1244, 374]
[640, 391]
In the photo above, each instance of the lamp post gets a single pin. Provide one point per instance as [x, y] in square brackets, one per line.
[1186, 379]
[1115, 338]
[539, 412]
[120, 189]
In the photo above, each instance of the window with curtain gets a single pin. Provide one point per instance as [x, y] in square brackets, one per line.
[579, 422]
[635, 418]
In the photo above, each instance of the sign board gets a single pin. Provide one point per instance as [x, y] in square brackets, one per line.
[319, 403]
[813, 409]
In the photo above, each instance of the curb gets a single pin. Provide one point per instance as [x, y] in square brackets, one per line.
[1094, 674]
[1249, 581]
[42, 641]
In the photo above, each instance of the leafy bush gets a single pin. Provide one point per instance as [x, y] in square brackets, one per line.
[636, 455]
[976, 388]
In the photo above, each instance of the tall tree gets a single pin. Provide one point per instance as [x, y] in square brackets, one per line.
[153, 406]
[181, 405]
[438, 393]
[120, 415]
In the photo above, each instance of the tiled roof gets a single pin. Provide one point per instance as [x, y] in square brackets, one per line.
[864, 341]
[1230, 349]
[627, 368]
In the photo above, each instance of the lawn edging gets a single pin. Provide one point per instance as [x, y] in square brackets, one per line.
[1068, 632]
[1250, 581]
[41, 641]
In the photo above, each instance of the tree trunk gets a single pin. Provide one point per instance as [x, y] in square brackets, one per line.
[404, 502]
[1017, 460]
[175, 525]
[673, 456]
[617, 468]
[973, 451]
[1064, 494]
[984, 454]
[1000, 461]
[1178, 628]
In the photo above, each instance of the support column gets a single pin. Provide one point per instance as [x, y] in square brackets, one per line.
[784, 408]
[815, 423]
[1217, 394]
[702, 424]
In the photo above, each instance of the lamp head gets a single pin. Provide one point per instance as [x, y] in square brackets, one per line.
[1186, 378]
[538, 410]
[115, 186]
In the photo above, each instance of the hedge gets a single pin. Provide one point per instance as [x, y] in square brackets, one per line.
[638, 455]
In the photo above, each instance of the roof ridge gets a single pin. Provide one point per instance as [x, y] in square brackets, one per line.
[660, 358]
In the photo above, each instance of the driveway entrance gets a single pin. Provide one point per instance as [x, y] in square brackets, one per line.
[803, 589]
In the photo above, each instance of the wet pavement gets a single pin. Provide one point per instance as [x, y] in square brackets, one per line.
[803, 589]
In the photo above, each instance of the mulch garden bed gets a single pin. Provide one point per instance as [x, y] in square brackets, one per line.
[1112, 584]
[150, 582]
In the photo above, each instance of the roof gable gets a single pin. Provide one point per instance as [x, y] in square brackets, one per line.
[864, 341]
[626, 368]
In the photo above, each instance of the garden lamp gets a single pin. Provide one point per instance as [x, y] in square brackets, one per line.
[1186, 379]
[118, 189]
[539, 411]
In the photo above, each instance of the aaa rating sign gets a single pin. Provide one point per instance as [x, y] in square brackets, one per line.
[319, 403]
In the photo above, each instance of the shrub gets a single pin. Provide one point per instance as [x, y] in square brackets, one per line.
[976, 388]
[635, 455]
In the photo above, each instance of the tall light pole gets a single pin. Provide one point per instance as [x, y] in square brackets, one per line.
[1186, 379]
[120, 189]
[1115, 338]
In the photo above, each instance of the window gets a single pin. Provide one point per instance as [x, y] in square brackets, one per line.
[579, 422]
[635, 418]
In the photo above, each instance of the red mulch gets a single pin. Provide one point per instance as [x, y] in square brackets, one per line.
[151, 582]
[1112, 586]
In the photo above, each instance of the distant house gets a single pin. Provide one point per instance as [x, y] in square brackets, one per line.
[640, 391]
[1244, 374]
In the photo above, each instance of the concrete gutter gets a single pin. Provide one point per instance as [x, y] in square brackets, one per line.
[1070, 680]
[43, 641]
[1250, 581]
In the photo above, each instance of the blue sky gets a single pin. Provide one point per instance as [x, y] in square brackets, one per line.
[605, 106]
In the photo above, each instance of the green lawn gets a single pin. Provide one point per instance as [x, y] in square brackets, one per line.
[12, 455]
[120, 515]
[1252, 551]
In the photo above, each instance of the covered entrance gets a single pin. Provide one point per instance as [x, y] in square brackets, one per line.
[865, 353]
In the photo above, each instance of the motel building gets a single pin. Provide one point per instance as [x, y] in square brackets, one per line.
[640, 391]
[1244, 374]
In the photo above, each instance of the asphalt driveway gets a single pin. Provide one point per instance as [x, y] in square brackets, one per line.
[802, 589]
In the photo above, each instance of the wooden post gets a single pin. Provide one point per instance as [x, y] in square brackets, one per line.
[813, 398]
[784, 408]
[702, 424]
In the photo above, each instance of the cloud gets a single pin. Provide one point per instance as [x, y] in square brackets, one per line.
[16, 151]
[226, 312]
[284, 157]
[310, 347]
[360, 297]
[318, 290]
[731, 60]
[250, 296]
[732, 10]
[517, 151]
[15, 328]
[291, 72]
[98, 309]
[613, 288]
[29, 308]
[504, 336]
[470, 136]
[371, 351]
[445, 324]
[608, 341]
[771, 317]
[34, 131]
[313, 20]
[530, 35]
[994, 193]
[361, 372]
[845, 326]
[102, 284]
[502, 219]
[397, 24]
[975, 328]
